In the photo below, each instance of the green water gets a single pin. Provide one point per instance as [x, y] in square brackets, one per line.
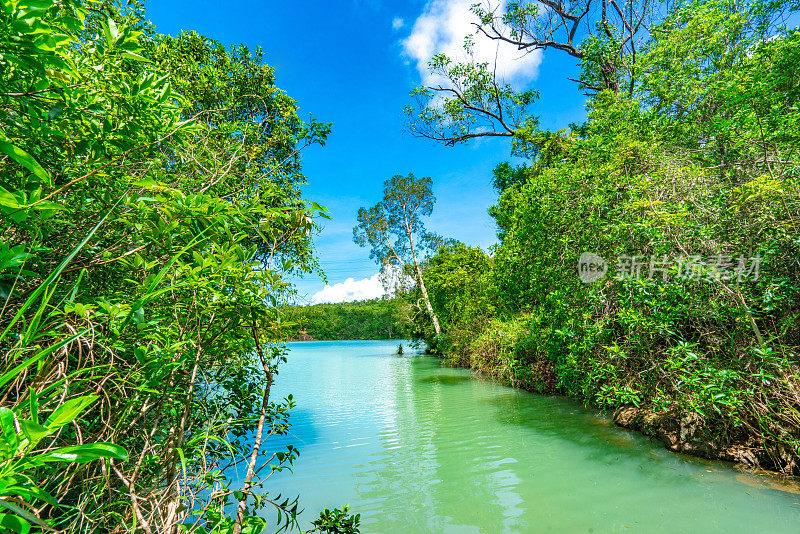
[415, 447]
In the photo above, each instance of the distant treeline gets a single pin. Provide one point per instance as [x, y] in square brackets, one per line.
[367, 319]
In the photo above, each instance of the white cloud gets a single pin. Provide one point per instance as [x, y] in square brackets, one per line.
[441, 28]
[397, 23]
[350, 290]
[367, 288]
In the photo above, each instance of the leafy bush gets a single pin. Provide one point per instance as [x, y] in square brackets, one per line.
[148, 221]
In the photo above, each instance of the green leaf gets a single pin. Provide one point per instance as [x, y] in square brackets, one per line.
[9, 433]
[8, 200]
[84, 453]
[135, 57]
[68, 411]
[33, 431]
[34, 405]
[14, 523]
[26, 515]
[13, 257]
[138, 315]
[112, 31]
[24, 159]
[183, 461]
[39, 4]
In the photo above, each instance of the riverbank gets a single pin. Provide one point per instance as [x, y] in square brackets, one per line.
[684, 432]
[504, 351]
[301, 336]
[388, 434]
[648, 256]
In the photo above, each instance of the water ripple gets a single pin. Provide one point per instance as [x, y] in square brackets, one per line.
[415, 447]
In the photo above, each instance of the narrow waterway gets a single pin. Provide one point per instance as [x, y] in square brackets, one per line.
[415, 447]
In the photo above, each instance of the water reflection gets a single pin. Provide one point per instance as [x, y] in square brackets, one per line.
[416, 447]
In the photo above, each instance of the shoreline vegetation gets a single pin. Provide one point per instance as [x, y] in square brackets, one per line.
[151, 208]
[383, 318]
[648, 259]
[677, 430]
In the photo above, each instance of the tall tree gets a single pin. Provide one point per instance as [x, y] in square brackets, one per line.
[393, 229]
[469, 100]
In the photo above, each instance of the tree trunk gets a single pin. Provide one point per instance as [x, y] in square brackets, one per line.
[251, 466]
[421, 282]
[427, 300]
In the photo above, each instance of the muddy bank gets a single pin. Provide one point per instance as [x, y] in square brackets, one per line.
[302, 336]
[687, 433]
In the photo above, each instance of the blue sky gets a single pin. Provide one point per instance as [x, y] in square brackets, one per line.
[352, 63]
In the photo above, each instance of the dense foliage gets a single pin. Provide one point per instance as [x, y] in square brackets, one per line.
[150, 190]
[366, 319]
[679, 184]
